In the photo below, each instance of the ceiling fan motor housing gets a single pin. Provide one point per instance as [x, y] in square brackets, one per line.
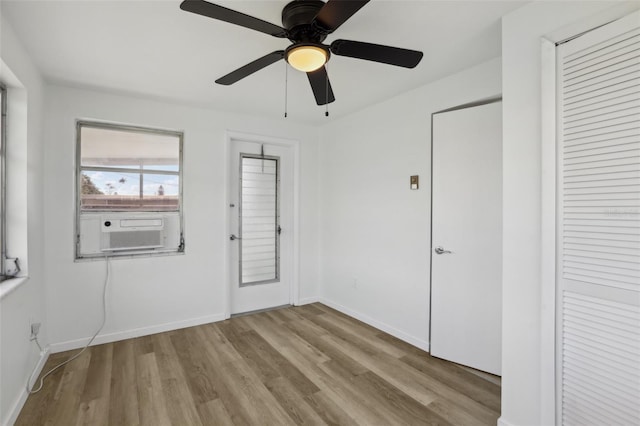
[297, 18]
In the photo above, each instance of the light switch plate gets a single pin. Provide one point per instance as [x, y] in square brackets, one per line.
[414, 184]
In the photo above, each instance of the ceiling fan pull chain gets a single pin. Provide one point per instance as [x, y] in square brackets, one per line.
[326, 91]
[286, 83]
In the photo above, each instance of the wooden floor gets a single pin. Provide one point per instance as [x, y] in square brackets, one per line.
[299, 365]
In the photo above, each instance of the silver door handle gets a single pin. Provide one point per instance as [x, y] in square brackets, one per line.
[440, 250]
[233, 237]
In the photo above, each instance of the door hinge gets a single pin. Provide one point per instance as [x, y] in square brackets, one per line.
[279, 230]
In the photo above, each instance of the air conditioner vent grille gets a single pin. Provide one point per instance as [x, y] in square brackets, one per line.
[133, 240]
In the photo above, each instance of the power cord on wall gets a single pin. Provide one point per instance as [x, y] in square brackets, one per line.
[104, 320]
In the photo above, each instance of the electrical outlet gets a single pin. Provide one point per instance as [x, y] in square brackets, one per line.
[35, 329]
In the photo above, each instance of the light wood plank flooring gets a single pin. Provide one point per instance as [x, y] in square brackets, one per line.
[297, 365]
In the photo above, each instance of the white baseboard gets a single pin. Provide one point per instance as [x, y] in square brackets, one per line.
[17, 407]
[308, 300]
[136, 332]
[422, 344]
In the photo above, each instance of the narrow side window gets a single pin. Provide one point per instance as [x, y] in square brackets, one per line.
[3, 181]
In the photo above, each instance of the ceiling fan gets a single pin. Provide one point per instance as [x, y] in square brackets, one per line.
[306, 23]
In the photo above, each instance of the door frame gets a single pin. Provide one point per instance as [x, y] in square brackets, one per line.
[294, 269]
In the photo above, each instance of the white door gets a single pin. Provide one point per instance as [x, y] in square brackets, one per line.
[598, 226]
[260, 226]
[466, 255]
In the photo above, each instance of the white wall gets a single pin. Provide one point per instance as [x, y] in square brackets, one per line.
[18, 356]
[527, 366]
[152, 294]
[375, 230]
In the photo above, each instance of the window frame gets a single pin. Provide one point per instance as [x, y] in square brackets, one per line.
[80, 124]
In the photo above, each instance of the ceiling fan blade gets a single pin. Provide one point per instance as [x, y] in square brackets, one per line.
[250, 68]
[321, 86]
[377, 53]
[214, 11]
[336, 12]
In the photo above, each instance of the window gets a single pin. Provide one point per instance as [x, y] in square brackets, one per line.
[259, 220]
[127, 170]
[128, 190]
[3, 176]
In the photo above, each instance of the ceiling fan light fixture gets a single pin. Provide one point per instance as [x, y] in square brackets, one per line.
[306, 57]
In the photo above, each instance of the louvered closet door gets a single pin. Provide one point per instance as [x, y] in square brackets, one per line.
[599, 226]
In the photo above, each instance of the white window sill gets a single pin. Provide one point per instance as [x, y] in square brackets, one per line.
[10, 285]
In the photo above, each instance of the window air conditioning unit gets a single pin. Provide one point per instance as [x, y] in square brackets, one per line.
[132, 233]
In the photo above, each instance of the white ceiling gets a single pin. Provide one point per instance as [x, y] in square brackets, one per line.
[154, 49]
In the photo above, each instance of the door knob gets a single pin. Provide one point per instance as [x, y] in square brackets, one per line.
[233, 237]
[440, 250]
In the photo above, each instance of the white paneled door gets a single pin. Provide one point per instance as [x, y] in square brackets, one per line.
[598, 232]
[466, 255]
[260, 226]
